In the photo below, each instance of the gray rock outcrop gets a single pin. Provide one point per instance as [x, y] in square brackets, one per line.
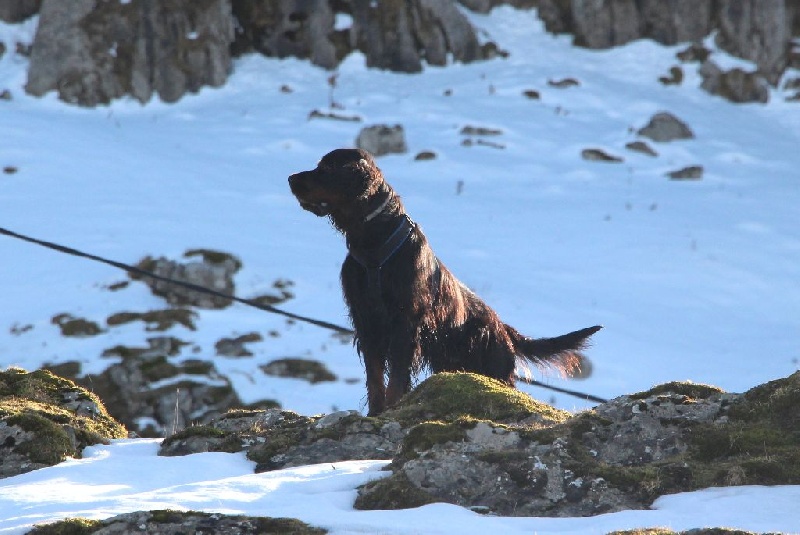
[44, 419]
[205, 268]
[93, 52]
[382, 139]
[756, 30]
[664, 127]
[18, 10]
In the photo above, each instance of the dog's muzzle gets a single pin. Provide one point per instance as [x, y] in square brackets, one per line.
[300, 189]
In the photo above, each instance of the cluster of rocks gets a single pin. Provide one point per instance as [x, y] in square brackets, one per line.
[92, 53]
[663, 127]
[467, 440]
[758, 31]
[168, 382]
[457, 438]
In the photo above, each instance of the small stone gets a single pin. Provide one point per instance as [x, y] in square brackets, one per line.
[598, 155]
[693, 172]
[564, 83]
[425, 155]
[531, 94]
[664, 127]
[641, 146]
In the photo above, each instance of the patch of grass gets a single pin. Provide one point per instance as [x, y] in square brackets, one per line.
[425, 435]
[70, 526]
[393, 492]
[450, 396]
[683, 388]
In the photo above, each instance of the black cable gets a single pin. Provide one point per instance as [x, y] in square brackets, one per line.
[189, 285]
[267, 308]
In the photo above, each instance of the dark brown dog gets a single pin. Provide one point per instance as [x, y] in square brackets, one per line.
[408, 310]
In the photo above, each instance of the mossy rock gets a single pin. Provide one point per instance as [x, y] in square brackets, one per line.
[684, 388]
[394, 492]
[170, 521]
[450, 396]
[49, 418]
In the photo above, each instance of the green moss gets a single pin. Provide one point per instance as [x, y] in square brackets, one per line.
[52, 443]
[40, 402]
[449, 396]
[293, 430]
[70, 526]
[425, 435]
[393, 492]
[683, 388]
[210, 256]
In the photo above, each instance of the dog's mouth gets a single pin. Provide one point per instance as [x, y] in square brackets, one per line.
[318, 209]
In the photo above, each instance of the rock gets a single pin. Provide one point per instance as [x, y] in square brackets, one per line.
[485, 6]
[675, 76]
[175, 522]
[155, 397]
[599, 155]
[468, 440]
[309, 370]
[621, 455]
[235, 347]
[44, 419]
[693, 172]
[642, 147]
[214, 270]
[735, 85]
[277, 439]
[393, 34]
[398, 34]
[531, 94]
[564, 83]
[382, 139]
[665, 127]
[696, 52]
[470, 130]
[287, 28]
[77, 327]
[92, 53]
[14, 11]
[756, 30]
[425, 155]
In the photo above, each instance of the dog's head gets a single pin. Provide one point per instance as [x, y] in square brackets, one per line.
[342, 180]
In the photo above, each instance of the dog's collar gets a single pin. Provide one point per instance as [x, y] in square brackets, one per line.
[374, 259]
[377, 211]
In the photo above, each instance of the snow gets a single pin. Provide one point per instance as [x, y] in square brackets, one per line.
[693, 280]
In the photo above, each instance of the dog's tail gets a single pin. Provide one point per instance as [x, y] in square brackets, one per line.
[562, 352]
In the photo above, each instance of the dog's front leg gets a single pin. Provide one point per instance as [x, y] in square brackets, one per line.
[376, 391]
[401, 362]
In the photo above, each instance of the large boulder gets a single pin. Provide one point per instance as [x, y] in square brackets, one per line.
[757, 30]
[621, 455]
[92, 52]
[18, 10]
[472, 441]
[44, 419]
[606, 23]
[397, 34]
[303, 29]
